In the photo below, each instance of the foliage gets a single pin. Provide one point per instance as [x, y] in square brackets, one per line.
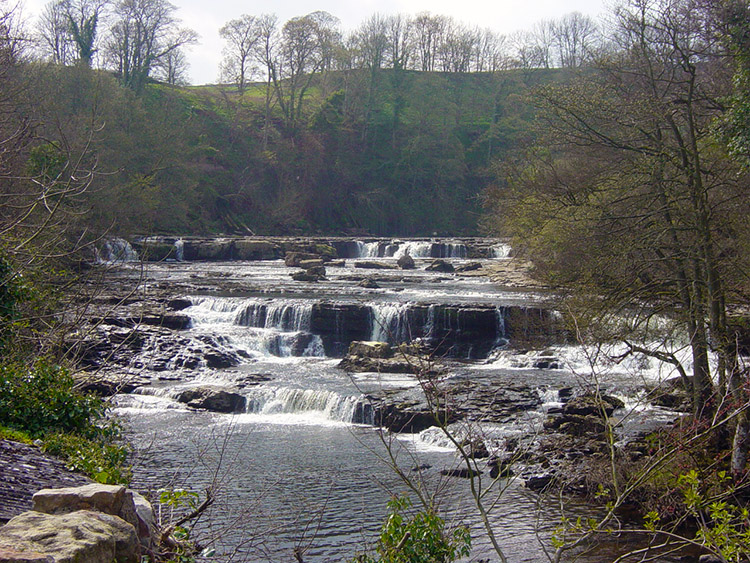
[417, 538]
[42, 399]
[102, 460]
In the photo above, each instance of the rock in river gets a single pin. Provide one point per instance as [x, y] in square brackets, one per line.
[217, 399]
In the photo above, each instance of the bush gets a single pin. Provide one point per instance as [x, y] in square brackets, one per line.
[421, 538]
[41, 399]
[102, 461]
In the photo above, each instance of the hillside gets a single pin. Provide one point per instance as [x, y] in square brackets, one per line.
[385, 153]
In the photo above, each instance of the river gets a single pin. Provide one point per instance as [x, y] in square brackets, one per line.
[302, 467]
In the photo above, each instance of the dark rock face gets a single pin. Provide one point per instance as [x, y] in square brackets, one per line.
[440, 266]
[338, 324]
[215, 399]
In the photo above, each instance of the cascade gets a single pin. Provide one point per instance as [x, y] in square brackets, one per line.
[293, 401]
[179, 250]
[500, 251]
[117, 250]
[390, 322]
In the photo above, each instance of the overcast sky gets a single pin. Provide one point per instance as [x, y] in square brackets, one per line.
[207, 16]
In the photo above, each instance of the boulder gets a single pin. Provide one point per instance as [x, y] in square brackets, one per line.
[374, 265]
[9, 555]
[109, 499]
[406, 262]
[318, 270]
[590, 404]
[216, 399]
[305, 276]
[84, 536]
[310, 264]
[369, 349]
[440, 266]
[294, 259]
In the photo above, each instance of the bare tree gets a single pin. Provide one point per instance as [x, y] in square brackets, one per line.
[304, 49]
[172, 68]
[241, 36]
[54, 33]
[144, 32]
[428, 36]
[575, 36]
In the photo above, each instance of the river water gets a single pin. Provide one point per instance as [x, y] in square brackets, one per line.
[300, 469]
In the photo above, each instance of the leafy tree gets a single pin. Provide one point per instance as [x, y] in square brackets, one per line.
[628, 193]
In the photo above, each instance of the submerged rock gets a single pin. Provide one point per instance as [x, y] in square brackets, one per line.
[369, 283]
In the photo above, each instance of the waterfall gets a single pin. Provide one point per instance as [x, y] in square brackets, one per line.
[179, 250]
[390, 322]
[453, 250]
[500, 251]
[117, 250]
[328, 404]
[288, 316]
[415, 249]
[367, 249]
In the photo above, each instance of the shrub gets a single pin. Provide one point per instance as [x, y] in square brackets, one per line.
[41, 399]
[421, 538]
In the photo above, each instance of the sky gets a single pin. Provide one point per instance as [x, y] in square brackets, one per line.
[207, 16]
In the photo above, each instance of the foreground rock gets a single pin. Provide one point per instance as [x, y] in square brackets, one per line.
[115, 500]
[84, 536]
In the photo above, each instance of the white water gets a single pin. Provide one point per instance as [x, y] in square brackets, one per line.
[295, 452]
[117, 250]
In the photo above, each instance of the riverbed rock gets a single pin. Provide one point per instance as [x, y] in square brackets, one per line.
[306, 276]
[295, 259]
[370, 349]
[470, 267]
[245, 249]
[589, 404]
[369, 283]
[361, 364]
[84, 536]
[374, 265]
[315, 263]
[440, 266]
[212, 398]
[406, 262]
